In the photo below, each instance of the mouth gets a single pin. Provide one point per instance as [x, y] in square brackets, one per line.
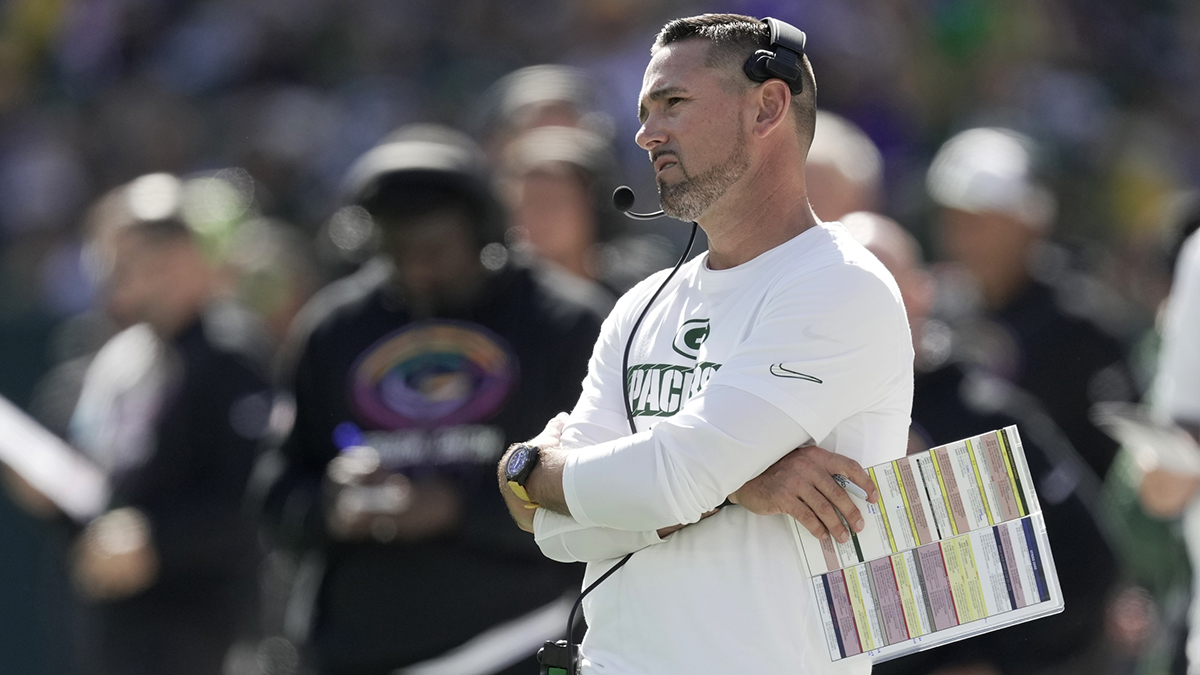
[664, 162]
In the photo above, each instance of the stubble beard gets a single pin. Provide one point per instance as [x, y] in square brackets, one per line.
[693, 195]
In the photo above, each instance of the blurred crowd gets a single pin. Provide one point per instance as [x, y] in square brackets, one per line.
[292, 274]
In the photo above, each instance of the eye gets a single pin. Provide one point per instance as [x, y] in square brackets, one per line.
[674, 99]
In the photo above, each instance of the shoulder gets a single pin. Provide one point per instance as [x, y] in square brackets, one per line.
[828, 264]
[344, 298]
[565, 296]
[227, 340]
[341, 302]
[125, 357]
[232, 330]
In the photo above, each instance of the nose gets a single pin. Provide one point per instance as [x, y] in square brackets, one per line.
[650, 135]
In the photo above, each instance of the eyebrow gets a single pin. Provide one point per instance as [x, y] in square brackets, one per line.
[656, 95]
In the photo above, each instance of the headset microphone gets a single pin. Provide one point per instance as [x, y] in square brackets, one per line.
[623, 199]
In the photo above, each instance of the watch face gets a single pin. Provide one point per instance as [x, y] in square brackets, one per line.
[517, 462]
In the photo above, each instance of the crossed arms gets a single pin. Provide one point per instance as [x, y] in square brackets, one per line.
[741, 437]
[729, 444]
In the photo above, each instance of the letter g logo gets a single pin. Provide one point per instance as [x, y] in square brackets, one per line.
[690, 336]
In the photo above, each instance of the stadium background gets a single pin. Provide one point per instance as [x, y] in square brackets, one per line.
[94, 93]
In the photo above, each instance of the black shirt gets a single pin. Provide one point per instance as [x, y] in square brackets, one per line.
[952, 403]
[204, 436]
[435, 397]
[1069, 363]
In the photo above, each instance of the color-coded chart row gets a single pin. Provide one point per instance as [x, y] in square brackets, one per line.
[962, 487]
[907, 596]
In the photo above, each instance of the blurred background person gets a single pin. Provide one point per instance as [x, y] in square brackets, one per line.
[406, 383]
[954, 400]
[844, 170]
[552, 180]
[557, 183]
[93, 95]
[1022, 312]
[538, 96]
[1163, 493]
[172, 408]
[1176, 398]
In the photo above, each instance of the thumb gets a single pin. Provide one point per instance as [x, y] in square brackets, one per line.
[553, 432]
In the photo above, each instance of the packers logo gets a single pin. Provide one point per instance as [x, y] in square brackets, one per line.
[691, 335]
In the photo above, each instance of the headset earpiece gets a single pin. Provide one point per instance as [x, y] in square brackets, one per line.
[783, 59]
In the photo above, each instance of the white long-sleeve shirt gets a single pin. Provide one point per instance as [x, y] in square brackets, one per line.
[730, 371]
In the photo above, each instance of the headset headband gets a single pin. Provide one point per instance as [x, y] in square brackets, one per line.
[782, 59]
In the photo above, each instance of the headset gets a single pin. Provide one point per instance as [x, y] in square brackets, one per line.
[782, 60]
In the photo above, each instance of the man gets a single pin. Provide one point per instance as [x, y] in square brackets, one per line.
[785, 333]
[1041, 330]
[173, 409]
[409, 379]
[953, 400]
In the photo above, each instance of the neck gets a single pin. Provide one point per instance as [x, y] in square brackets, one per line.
[764, 209]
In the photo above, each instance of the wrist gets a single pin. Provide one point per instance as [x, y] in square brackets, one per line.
[545, 484]
[522, 460]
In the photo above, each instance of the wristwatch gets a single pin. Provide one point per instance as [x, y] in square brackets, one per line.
[517, 470]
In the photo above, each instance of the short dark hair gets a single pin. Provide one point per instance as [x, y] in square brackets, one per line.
[733, 38]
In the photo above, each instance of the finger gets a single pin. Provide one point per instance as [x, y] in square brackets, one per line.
[805, 516]
[849, 468]
[552, 434]
[840, 499]
[859, 476]
[559, 422]
[825, 511]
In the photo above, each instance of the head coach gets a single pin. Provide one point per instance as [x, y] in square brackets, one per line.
[786, 333]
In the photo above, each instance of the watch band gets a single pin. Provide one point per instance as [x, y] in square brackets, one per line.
[519, 491]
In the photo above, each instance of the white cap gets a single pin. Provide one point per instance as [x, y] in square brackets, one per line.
[839, 143]
[991, 169]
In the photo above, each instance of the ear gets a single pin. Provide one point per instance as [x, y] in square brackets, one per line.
[773, 101]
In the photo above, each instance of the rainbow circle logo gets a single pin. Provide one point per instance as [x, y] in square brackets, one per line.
[432, 374]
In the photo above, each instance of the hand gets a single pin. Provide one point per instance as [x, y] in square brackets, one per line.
[365, 502]
[801, 485]
[26, 496]
[550, 437]
[114, 557]
[1164, 494]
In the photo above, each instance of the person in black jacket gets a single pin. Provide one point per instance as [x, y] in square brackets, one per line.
[953, 400]
[1034, 321]
[406, 381]
[173, 409]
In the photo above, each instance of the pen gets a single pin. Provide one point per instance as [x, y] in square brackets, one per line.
[848, 486]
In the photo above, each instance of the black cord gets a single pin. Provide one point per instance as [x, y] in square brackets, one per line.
[637, 324]
[633, 429]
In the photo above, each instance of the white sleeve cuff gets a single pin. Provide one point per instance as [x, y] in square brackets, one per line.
[563, 539]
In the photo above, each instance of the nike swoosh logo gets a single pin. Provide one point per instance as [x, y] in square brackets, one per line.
[779, 370]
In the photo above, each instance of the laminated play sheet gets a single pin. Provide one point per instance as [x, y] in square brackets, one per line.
[955, 547]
